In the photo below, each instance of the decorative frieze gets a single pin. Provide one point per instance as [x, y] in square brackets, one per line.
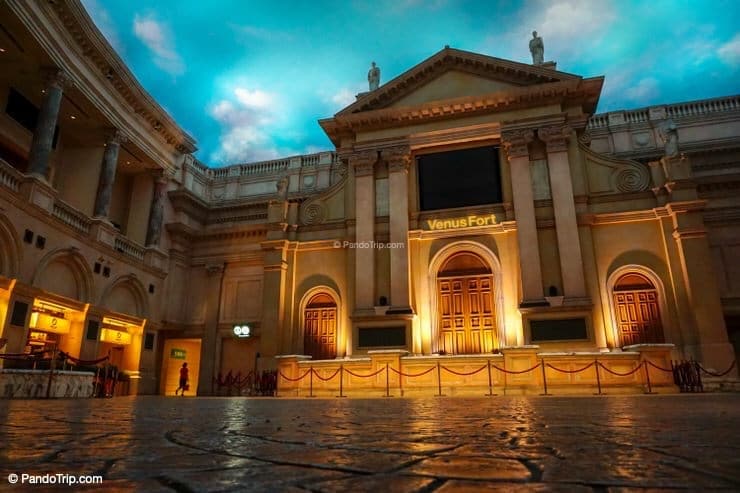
[516, 141]
[55, 77]
[555, 137]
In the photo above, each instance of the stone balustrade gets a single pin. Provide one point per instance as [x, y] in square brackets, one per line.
[71, 216]
[9, 177]
[515, 371]
[29, 384]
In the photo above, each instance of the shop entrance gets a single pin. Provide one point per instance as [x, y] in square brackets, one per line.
[320, 327]
[177, 352]
[465, 306]
[637, 312]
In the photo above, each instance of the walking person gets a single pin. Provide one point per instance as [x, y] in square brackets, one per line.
[183, 380]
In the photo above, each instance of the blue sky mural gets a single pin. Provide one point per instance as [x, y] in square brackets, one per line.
[250, 79]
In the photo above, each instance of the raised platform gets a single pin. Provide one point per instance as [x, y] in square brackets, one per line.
[514, 371]
[33, 384]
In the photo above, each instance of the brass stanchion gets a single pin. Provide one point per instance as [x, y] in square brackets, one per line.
[387, 381]
[598, 378]
[439, 380]
[51, 371]
[647, 377]
[310, 382]
[341, 381]
[490, 381]
[544, 376]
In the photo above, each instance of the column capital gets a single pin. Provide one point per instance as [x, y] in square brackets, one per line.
[55, 77]
[115, 136]
[398, 158]
[363, 162]
[555, 137]
[515, 142]
[214, 269]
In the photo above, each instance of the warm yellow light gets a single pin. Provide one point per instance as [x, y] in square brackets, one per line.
[116, 322]
[115, 336]
[49, 323]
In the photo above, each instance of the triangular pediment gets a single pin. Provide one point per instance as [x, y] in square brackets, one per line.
[451, 74]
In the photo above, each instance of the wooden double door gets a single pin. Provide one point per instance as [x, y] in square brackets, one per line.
[467, 321]
[638, 317]
[320, 328]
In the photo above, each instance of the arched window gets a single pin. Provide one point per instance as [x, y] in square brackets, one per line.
[637, 310]
[467, 319]
[320, 327]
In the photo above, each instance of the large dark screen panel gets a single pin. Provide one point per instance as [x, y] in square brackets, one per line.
[459, 178]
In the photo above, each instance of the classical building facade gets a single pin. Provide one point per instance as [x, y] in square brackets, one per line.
[472, 204]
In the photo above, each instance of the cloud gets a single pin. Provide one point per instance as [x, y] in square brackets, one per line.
[261, 33]
[157, 37]
[244, 119]
[730, 51]
[343, 97]
[645, 90]
[104, 22]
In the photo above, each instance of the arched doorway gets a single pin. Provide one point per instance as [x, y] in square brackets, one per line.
[320, 327]
[637, 312]
[465, 308]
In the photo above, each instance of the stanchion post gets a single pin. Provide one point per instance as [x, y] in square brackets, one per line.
[647, 377]
[439, 380]
[598, 378]
[544, 377]
[310, 382]
[51, 371]
[341, 381]
[400, 378]
[490, 381]
[387, 382]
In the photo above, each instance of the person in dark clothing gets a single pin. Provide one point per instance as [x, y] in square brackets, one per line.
[183, 380]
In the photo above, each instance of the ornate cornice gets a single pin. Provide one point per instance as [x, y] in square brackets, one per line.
[515, 142]
[363, 162]
[56, 77]
[555, 137]
[398, 158]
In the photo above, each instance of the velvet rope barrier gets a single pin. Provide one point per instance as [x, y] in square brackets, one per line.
[322, 378]
[84, 362]
[712, 374]
[571, 371]
[296, 379]
[621, 374]
[510, 372]
[669, 370]
[461, 374]
[364, 376]
[411, 375]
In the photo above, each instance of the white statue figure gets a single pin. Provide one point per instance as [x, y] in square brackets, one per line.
[668, 133]
[537, 48]
[282, 187]
[373, 77]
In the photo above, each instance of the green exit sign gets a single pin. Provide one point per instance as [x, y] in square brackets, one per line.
[177, 354]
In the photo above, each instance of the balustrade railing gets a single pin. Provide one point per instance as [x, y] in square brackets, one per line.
[128, 247]
[71, 216]
[9, 176]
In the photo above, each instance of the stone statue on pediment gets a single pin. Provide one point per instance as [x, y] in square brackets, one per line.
[281, 187]
[537, 48]
[373, 77]
[668, 133]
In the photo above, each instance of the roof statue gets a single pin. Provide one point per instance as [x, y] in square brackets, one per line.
[668, 133]
[537, 48]
[373, 77]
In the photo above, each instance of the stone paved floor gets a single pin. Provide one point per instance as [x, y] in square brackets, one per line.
[569, 444]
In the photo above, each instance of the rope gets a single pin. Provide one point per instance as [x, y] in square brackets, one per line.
[84, 362]
[658, 367]
[363, 376]
[322, 378]
[460, 374]
[296, 379]
[620, 374]
[571, 371]
[412, 374]
[712, 374]
[17, 356]
[517, 372]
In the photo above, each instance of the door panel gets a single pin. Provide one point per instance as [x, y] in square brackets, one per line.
[638, 317]
[466, 315]
[319, 333]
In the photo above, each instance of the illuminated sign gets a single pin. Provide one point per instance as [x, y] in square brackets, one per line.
[177, 353]
[242, 331]
[49, 323]
[115, 336]
[471, 221]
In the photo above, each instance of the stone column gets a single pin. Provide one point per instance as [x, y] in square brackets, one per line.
[43, 136]
[364, 167]
[156, 212]
[399, 160]
[712, 346]
[515, 142]
[564, 208]
[273, 340]
[108, 174]
[214, 280]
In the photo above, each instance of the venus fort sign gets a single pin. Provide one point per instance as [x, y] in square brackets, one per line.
[471, 221]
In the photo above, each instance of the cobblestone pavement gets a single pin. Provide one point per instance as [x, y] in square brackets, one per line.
[569, 444]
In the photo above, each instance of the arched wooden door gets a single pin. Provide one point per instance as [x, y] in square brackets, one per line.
[465, 308]
[320, 327]
[637, 310]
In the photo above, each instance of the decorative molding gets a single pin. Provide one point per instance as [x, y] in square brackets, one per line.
[555, 137]
[363, 162]
[515, 142]
[56, 77]
[313, 213]
[398, 158]
[214, 269]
